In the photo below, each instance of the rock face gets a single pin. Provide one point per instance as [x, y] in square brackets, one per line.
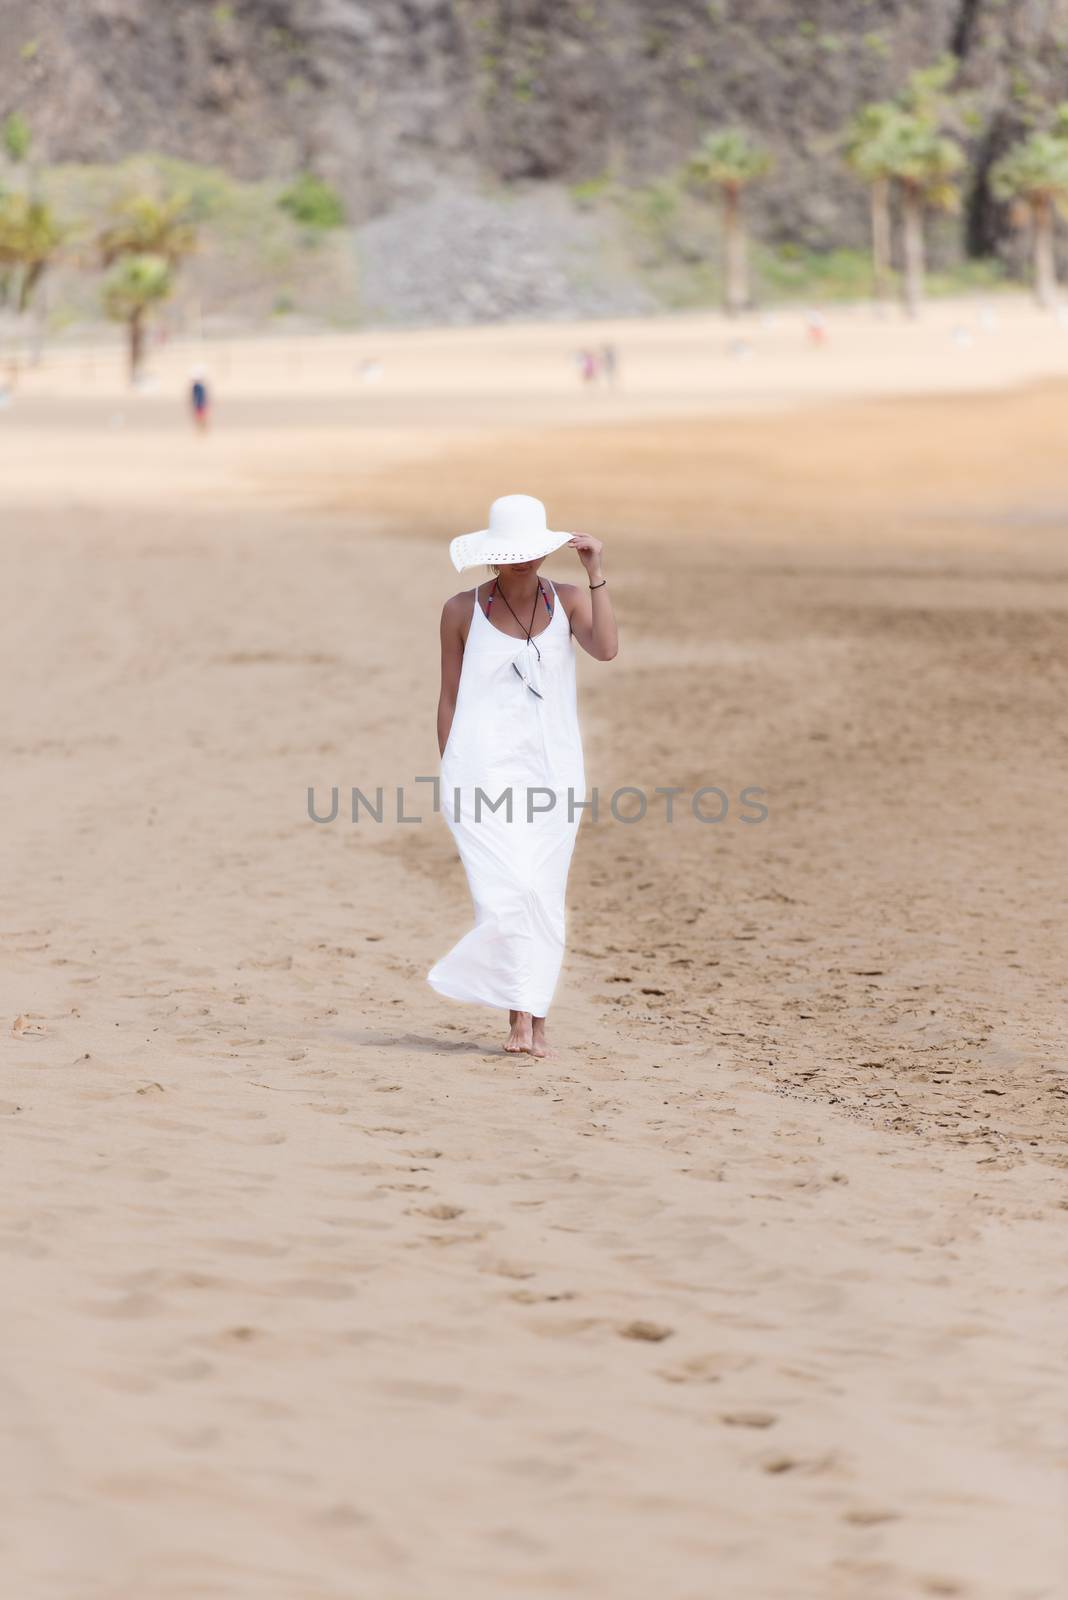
[462, 257]
[389, 99]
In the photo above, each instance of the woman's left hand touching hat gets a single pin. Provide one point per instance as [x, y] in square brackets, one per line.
[589, 551]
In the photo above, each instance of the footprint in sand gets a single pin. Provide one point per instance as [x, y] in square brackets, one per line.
[531, 1297]
[649, 1332]
[708, 1368]
[242, 1334]
[748, 1419]
[342, 1515]
[27, 1025]
[508, 1269]
[868, 1516]
[572, 1328]
[778, 1464]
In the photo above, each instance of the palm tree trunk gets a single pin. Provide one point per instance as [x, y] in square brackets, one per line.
[38, 320]
[914, 257]
[737, 277]
[880, 238]
[30, 320]
[137, 343]
[1045, 263]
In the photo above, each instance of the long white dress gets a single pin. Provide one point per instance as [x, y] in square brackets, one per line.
[505, 737]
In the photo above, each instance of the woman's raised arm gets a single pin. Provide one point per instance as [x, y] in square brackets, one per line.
[593, 622]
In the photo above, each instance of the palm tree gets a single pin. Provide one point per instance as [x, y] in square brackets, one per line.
[728, 160]
[927, 90]
[15, 137]
[137, 283]
[142, 225]
[30, 233]
[869, 144]
[924, 162]
[30, 237]
[1034, 174]
[144, 240]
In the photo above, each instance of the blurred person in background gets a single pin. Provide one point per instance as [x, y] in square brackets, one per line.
[200, 401]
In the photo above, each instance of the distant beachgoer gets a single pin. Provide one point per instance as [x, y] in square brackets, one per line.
[609, 364]
[587, 365]
[200, 401]
[817, 327]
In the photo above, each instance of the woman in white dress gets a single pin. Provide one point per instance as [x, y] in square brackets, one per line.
[512, 777]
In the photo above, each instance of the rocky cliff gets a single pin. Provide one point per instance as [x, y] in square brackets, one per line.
[391, 99]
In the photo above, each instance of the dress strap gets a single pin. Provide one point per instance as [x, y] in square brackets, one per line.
[556, 604]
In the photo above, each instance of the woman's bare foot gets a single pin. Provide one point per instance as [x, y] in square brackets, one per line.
[520, 1040]
[539, 1044]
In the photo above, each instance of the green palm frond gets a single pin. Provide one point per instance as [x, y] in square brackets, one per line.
[137, 282]
[29, 230]
[869, 140]
[143, 225]
[925, 160]
[1035, 170]
[15, 137]
[926, 93]
[729, 158]
[30, 237]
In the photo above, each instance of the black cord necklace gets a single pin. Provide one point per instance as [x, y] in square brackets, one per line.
[533, 614]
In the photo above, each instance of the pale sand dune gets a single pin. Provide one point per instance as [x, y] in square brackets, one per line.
[311, 1294]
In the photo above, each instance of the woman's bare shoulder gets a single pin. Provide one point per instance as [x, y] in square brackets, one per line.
[458, 607]
[569, 593]
[456, 617]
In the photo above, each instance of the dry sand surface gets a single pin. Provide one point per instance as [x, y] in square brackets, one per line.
[757, 1291]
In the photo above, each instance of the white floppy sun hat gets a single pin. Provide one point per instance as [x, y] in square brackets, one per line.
[517, 532]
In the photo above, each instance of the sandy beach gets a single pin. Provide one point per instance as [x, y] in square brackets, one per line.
[758, 1290]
